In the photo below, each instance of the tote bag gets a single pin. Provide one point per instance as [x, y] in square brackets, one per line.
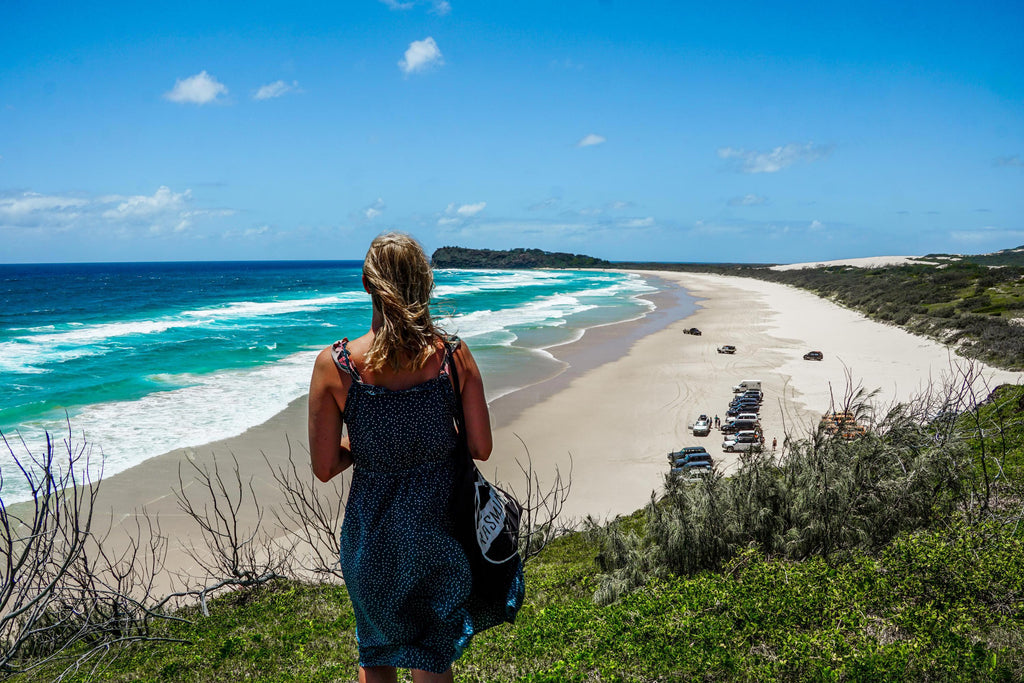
[486, 517]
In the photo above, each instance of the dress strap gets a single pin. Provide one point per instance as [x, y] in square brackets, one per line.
[339, 351]
[450, 345]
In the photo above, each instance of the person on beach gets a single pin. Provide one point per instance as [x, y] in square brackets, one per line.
[407, 575]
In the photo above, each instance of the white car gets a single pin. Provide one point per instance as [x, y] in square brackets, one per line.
[702, 427]
[742, 441]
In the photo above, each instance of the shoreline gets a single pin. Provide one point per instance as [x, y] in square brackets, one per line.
[624, 398]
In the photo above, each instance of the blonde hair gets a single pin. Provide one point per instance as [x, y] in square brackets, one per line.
[399, 279]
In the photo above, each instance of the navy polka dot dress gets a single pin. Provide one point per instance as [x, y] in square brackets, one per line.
[407, 576]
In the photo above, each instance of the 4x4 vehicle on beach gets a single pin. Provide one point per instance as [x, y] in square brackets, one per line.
[735, 410]
[814, 355]
[702, 427]
[743, 441]
[693, 470]
[727, 348]
[693, 459]
[692, 330]
[740, 426]
[683, 452]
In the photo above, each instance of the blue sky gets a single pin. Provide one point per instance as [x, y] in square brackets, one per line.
[637, 131]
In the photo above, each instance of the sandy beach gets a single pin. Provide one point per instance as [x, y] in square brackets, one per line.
[625, 399]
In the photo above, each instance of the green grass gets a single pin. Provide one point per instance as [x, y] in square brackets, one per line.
[944, 603]
[941, 605]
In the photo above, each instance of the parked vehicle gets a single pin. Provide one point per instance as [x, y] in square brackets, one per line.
[693, 458]
[747, 385]
[734, 411]
[692, 330]
[683, 452]
[814, 355]
[754, 394]
[747, 416]
[740, 426]
[702, 427]
[693, 471]
[727, 348]
[742, 441]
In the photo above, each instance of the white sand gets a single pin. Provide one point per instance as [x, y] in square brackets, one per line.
[619, 420]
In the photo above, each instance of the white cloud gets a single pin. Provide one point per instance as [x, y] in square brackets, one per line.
[816, 225]
[144, 206]
[421, 55]
[748, 200]
[275, 89]
[619, 205]
[438, 7]
[591, 140]
[375, 209]
[636, 222]
[1014, 160]
[199, 89]
[164, 211]
[752, 161]
[470, 209]
[455, 214]
[19, 208]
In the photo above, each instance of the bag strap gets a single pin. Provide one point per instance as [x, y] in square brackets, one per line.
[460, 419]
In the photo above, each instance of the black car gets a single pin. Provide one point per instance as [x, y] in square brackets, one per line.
[814, 355]
[684, 452]
[745, 402]
[739, 426]
[743, 408]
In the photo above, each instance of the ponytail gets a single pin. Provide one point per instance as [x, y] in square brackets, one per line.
[399, 279]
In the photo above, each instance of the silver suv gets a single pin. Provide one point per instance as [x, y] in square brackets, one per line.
[742, 441]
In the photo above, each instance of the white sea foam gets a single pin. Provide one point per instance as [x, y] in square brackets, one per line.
[26, 353]
[497, 280]
[549, 310]
[254, 309]
[210, 408]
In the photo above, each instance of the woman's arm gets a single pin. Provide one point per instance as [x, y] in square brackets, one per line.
[474, 405]
[329, 451]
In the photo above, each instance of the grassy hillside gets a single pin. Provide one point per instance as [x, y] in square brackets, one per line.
[938, 597]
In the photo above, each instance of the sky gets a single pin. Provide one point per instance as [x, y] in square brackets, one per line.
[642, 131]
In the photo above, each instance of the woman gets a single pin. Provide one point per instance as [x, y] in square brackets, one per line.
[407, 575]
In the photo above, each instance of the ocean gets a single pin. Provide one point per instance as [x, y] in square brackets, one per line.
[142, 358]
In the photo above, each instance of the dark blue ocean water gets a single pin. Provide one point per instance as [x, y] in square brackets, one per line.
[147, 357]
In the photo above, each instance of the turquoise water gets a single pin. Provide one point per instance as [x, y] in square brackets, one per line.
[145, 358]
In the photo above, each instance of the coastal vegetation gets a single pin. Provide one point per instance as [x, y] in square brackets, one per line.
[974, 303]
[460, 257]
[895, 556]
